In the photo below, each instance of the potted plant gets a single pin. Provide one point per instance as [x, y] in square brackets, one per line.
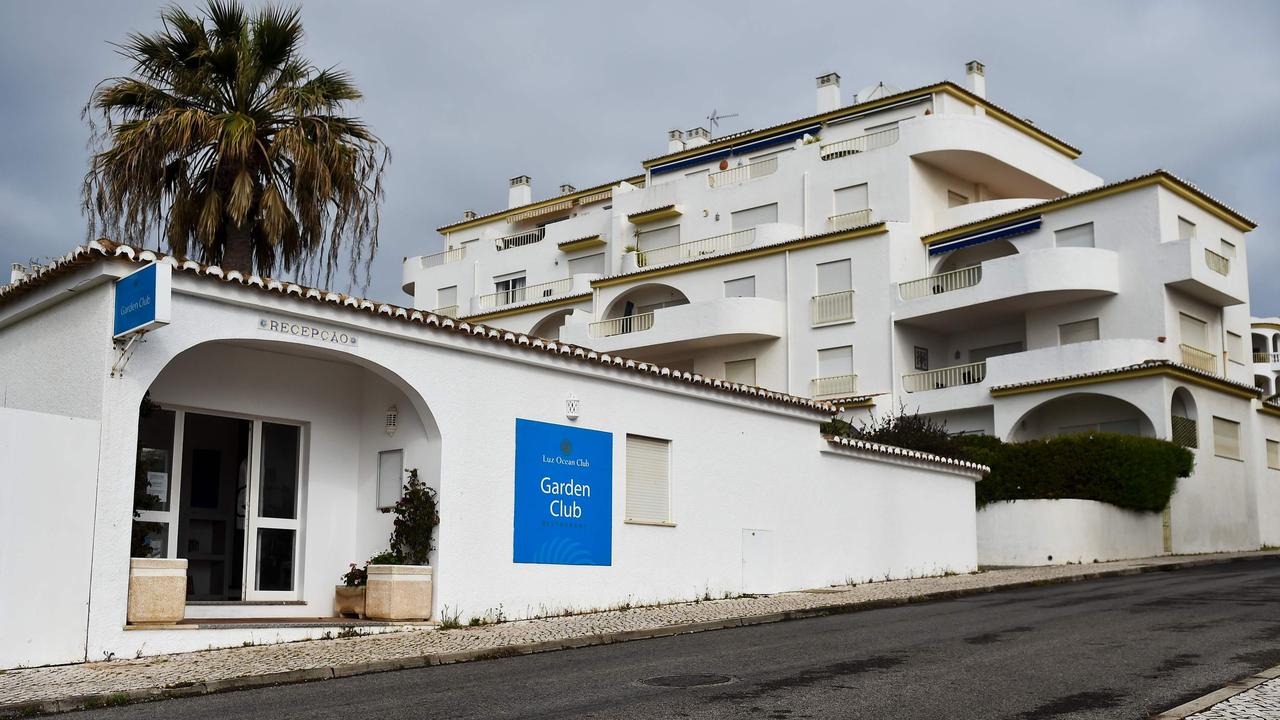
[398, 583]
[348, 598]
[630, 258]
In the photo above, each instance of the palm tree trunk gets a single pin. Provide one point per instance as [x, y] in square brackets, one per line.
[237, 254]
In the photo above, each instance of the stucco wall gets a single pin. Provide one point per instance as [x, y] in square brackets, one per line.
[1055, 532]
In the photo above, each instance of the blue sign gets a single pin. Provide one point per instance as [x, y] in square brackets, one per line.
[564, 495]
[142, 299]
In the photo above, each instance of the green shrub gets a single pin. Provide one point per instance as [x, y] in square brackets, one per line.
[906, 430]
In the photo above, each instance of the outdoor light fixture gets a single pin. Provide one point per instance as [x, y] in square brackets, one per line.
[571, 406]
[393, 420]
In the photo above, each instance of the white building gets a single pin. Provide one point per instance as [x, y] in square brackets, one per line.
[922, 247]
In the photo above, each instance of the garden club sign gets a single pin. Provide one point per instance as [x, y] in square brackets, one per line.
[142, 301]
[327, 336]
[564, 495]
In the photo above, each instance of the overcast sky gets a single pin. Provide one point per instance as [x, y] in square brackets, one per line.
[468, 94]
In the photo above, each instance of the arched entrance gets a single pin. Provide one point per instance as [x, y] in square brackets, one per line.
[1082, 412]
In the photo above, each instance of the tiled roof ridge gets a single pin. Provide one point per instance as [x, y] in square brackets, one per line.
[104, 249]
[529, 304]
[1144, 365]
[894, 450]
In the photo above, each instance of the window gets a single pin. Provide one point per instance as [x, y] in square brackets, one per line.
[1078, 236]
[741, 287]
[1273, 454]
[1080, 331]
[751, 217]
[588, 264]
[1186, 229]
[648, 480]
[447, 296]
[955, 199]
[658, 237]
[1235, 348]
[850, 199]
[509, 288]
[1194, 331]
[1226, 438]
[1228, 248]
[836, 361]
[390, 478]
[834, 277]
[741, 371]
[921, 358]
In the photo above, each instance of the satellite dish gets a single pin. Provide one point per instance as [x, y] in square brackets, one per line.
[872, 92]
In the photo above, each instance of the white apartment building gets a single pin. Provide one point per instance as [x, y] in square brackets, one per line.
[922, 247]
[1266, 354]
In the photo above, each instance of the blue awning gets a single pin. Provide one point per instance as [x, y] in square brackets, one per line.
[1018, 227]
[747, 147]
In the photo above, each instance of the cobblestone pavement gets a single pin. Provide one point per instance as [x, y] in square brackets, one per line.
[210, 666]
[1261, 702]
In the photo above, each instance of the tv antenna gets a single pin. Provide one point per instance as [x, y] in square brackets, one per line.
[713, 120]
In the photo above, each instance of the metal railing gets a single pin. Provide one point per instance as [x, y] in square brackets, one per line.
[524, 238]
[621, 326]
[524, 294]
[1220, 264]
[967, 374]
[831, 307]
[854, 219]
[743, 173]
[1199, 359]
[447, 311]
[941, 283]
[833, 386]
[1185, 432]
[860, 144]
[440, 258]
[1266, 357]
[705, 246]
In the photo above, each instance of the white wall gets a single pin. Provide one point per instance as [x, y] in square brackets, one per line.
[1056, 532]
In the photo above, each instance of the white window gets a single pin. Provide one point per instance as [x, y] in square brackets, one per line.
[1235, 348]
[447, 296]
[1186, 229]
[588, 264]
[658, 237]
[741, 371]
[509, 288]
[648, 480]
[1226, 438]
[1078, 236]
[1228, 248]
[850, 199]
[836, 361]
[955, 199]
[1194, 331]
[741, 287]
[835, 277]
[1273, 454]
[751, 217]
[390, 478]
[1075, 332]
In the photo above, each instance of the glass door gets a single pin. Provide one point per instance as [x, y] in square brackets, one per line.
[274, 524]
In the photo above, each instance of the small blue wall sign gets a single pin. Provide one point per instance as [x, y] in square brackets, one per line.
[564, 495]
[142, 300]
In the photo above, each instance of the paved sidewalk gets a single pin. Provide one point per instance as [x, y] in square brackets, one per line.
[68, 687]
[1262, 702]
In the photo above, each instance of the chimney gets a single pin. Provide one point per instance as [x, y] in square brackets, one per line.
[976, 76]
[566, 188]
[828, 92]
[675, 141]
[17, 273]
[468, 215]
[697, 137]
[521, 193]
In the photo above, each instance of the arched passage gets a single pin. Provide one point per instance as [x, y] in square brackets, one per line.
[974, 255]
[549, 327]
[645, 299]
[1082, 412]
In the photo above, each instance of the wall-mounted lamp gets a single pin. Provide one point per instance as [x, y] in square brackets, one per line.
[392, 420]
[571, 406]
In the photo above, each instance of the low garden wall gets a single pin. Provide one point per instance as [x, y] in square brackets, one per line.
[1055, 532]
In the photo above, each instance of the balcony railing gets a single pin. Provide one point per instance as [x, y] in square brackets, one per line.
[941, 283]
[854, 219]
[1262, 357]
[705, 246]
[525, 238]
[447, 311]
[1185, 432]
[743, 173]
[524, 294]
[1220, 264]
[831, 307]
[861, 144]
[440, 258]
[968, 374]
[833, 386]
[1199, 359]
[621, 326]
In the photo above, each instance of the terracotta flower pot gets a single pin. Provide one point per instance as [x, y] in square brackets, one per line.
[348, 601]
[157, 591]
[398, 592]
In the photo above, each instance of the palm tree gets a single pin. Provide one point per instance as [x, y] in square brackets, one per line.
[229, 143]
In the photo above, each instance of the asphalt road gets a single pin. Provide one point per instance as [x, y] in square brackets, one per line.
[1113, 648]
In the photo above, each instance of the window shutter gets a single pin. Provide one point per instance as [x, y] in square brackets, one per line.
[1074, 332]
[1078, 236]
[751, 217]
[1194, 331]
[850, 199]
[648, 479]
[741, 371]
[390, 477]
[588, 264]
[834, 277]
[660, 238]
[1273, 454]
[741, 287]
[833, 362]
[447, 296]
[1226, 438]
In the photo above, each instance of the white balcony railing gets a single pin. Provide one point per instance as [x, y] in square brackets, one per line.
[525, 238]
[941, 283]
[743, 173]
[1220, 264]
[861, 144]
[621, 326]
[967, 374]
[854, 219]
[831, 307]
[440, 258]
[1262, 357]
[1199, 359]
[527, 293]
[833, 386]
[697, 248]
[447, 311]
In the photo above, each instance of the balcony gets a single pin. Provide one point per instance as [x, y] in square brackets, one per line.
[743, 173]
[621, 326]
[698, 248]
[956, 375]
[1007, 286]
[441, 258]
[1220, 264]
[521, 239]
[1186, 265]
[849, 220]
[1198, 358]
[692, 326]
[831, 308]
[860, 144]
[447, 311]
[1263, 357]
[528, 293]
[835, 386]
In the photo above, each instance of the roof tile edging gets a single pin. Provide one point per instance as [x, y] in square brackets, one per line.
[895, 451]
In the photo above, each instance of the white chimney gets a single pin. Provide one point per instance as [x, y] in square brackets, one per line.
[675, 141]
[828, 92]
[468, 214]
[976, 76]
[521, 192]
[17, 273]
[566, 189]
[697, 137]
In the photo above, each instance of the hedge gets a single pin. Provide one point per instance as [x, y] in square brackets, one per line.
[1135, 473]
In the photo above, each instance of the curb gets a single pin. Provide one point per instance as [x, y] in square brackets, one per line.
[1204, 702]
[293, 677]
